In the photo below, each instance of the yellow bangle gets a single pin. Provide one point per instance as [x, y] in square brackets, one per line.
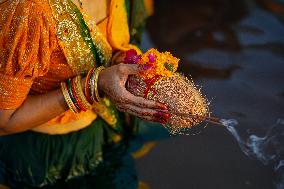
[67, 98]
[80, 93]
[96, 78]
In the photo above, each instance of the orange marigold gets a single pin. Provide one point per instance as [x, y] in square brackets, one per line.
[159, 63]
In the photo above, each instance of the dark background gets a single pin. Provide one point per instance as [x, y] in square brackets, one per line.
[234, 51]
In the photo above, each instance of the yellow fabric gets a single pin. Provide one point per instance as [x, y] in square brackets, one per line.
[103, 26]
[117, 27]
[67, 122]
[144, 150]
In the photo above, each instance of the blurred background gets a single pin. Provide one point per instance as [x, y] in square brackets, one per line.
[234, 51]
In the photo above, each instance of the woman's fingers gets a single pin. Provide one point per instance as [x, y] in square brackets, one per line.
[112, 83]
[142, 102]
[144, 113]
[129, 69]
[136, 110]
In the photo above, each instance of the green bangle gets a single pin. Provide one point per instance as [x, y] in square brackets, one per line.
[69, 88]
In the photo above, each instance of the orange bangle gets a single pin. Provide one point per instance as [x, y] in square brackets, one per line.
[88, 86]
[74, 91]
[80, 93]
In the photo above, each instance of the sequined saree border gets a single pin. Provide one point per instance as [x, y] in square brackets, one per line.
[82, 43]
[84, 46]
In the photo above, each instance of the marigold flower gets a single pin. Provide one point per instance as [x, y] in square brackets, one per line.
[162, 64]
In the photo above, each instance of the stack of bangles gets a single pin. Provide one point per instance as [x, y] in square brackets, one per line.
[78, 99]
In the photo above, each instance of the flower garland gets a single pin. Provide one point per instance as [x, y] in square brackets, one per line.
[155, 63]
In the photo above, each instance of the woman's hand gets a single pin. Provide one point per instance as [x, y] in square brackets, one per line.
[112, 82]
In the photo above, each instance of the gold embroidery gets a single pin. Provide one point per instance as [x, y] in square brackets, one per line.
[66, 31]
[78, 54]
[99, 39]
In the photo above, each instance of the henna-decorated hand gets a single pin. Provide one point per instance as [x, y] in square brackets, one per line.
[112, 82]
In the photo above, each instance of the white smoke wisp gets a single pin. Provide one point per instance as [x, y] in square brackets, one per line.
[268, 149]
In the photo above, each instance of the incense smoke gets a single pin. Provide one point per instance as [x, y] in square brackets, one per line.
[268, 149]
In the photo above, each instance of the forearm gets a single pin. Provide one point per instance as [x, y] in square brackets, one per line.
[35, 111]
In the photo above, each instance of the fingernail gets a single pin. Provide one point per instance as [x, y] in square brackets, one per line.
[165, 115]
[162, 115]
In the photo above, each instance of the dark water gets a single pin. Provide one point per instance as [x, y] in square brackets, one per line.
[234, 51]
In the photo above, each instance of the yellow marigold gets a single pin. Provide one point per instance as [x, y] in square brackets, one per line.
[159, 63]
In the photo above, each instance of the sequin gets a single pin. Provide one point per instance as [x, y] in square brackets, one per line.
[78, 53]
[26, 45]
[66, 31]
